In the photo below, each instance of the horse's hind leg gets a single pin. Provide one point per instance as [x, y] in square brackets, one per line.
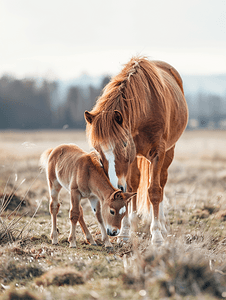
[156, 192]
[85, 229]
[54, 189]
[163, 179]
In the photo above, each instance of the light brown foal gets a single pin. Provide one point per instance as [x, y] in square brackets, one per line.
[83, 176]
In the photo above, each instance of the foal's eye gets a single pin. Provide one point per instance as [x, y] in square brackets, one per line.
[112, 212]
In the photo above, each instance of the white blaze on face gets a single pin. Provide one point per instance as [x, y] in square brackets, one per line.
[111, 167]
[122, 210]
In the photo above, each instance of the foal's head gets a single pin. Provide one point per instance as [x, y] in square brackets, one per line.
[114, 210]
[111, 136]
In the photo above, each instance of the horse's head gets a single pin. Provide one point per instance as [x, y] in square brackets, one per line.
[110, 134]
[114, 209]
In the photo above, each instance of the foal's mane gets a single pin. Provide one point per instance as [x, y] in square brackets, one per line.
[130, 92]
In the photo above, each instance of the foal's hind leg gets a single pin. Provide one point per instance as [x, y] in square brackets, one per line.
[74, 215]
[85, 229]
[54, 189]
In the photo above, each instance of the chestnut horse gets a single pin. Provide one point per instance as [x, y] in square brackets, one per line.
[83, 176]
[135, 125]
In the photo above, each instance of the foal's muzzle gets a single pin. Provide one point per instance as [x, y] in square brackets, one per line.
[112, 233]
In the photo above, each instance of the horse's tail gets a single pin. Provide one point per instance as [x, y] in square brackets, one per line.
[44, 159]
[143, 200]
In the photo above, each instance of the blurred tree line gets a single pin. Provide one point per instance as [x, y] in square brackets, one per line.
[206, 110]
[32, 104]
[28, 104]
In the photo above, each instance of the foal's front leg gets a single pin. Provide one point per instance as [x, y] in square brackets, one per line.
[74, 215]
[95, 203]
[85, 229]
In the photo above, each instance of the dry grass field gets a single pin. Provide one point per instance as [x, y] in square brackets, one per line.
[190, 265]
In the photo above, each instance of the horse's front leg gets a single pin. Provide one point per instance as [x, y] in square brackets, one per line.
[130, 220]
[125, 229]
[74, 215]
[156, 195]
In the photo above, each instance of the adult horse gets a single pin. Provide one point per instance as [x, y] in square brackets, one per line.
[142, 112]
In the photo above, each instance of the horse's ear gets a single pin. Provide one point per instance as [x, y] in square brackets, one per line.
[118, 117]
[128, 196]
[89, 117]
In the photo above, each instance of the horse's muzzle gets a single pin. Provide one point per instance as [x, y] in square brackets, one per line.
[122, 188]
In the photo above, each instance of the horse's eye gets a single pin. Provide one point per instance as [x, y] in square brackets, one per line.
[112, 212]
[101, 163]
[124, 144]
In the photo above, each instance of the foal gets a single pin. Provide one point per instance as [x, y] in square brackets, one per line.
[83, 176]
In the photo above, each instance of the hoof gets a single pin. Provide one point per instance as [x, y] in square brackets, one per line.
[164, 231]
[93, 244]
[109, 248]
[72, 245]
[157, 239]
[54, 242]
[108, 245]
[122, 239]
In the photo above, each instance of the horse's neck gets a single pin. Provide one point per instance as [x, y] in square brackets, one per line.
[101, 186]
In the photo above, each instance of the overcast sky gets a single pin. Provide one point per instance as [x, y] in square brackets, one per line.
[63, 39]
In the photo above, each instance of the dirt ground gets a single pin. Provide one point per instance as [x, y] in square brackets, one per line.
[190, 264]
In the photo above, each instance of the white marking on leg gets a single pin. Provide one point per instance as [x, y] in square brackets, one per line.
[162, 218]
[124, 232]
[157, 237]
[111, 167]
[122, 210]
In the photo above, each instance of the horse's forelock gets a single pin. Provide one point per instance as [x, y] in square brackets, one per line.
[129, 92]
[107, 133]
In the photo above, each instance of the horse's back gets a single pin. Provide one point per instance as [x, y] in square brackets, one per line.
[171, 71]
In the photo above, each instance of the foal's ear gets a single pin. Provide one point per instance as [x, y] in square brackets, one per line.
[89, 117]
[118, 117]
[128, 196]
[117, 195]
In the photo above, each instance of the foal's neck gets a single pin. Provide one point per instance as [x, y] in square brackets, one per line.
[101, 185]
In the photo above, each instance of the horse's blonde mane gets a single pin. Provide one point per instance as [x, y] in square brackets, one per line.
[130, 92]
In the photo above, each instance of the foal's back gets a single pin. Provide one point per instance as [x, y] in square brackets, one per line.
[71, 166]
[64, 162]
